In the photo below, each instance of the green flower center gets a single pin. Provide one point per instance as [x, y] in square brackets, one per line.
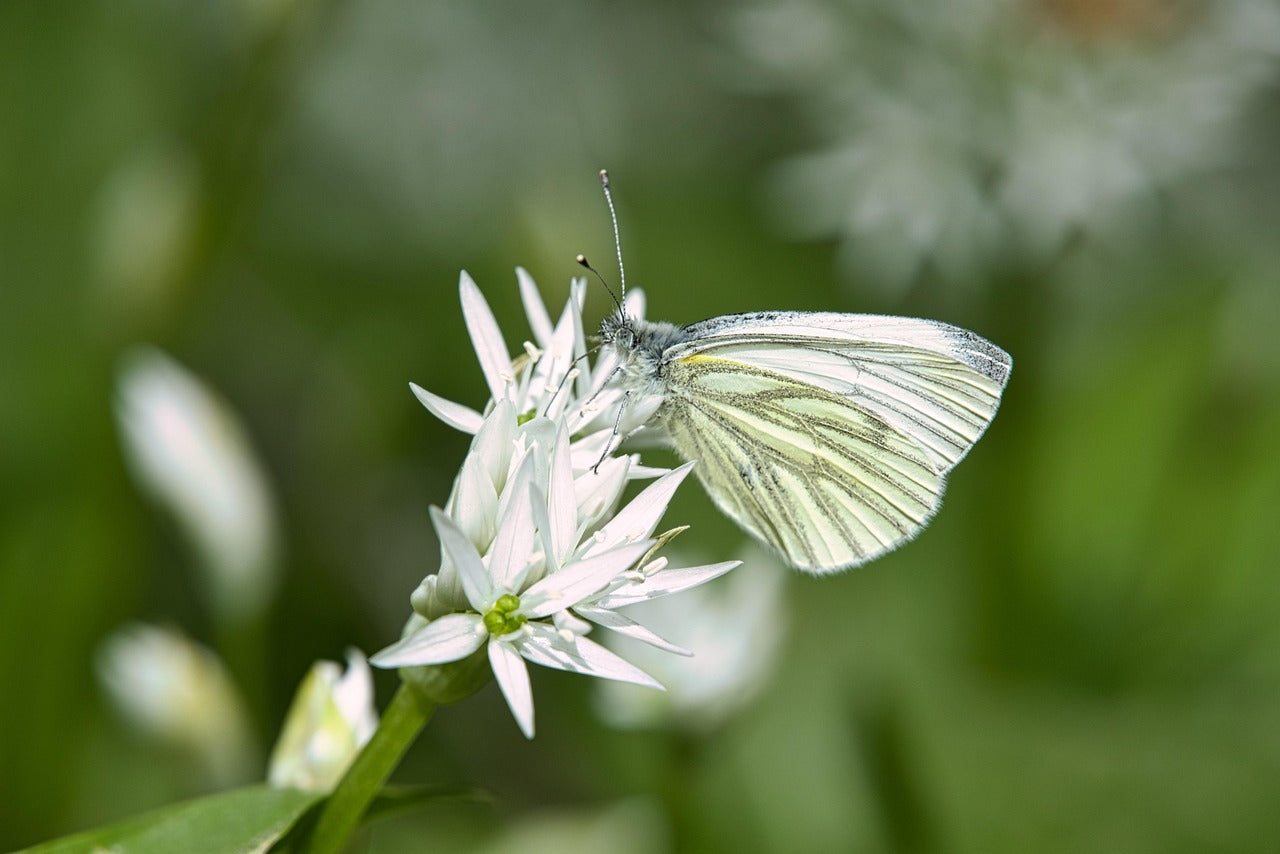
[502, 619]
[525, 417]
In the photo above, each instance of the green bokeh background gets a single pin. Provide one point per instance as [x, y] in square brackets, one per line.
[1081, 653]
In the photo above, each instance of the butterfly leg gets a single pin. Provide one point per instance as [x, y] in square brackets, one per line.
[617, 425]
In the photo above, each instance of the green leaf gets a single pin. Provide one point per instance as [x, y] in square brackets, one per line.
[244, 820]
[395, 799]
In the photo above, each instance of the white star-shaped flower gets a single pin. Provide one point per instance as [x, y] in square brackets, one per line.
[532, 550]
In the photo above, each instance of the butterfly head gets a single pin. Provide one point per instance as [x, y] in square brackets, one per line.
[618, 331]
[640, 345]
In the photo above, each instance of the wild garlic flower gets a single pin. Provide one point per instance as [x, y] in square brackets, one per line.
[532, 550]
[331, 718]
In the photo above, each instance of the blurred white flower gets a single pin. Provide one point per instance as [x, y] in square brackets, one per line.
[735, 632]
[178, 691]
[959, 130]
[331, 719]
[532, 552]
[188, 450]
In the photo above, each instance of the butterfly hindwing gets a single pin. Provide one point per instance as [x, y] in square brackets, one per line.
[816, 475]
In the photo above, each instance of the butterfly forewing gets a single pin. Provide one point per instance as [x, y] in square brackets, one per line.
[938, 385]
[826, 481]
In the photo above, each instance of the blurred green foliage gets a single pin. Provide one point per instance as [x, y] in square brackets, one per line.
[1081, 653]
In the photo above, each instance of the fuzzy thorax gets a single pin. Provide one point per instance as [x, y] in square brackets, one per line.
[640, 345]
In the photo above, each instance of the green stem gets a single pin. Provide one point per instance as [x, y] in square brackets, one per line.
[403, 719]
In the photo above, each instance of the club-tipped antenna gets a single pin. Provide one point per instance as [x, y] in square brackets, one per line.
[582, 260]
[617, 239]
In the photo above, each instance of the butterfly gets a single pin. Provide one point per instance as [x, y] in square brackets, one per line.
[826, 436]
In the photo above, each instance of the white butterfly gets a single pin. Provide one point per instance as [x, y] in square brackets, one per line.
[826, 436]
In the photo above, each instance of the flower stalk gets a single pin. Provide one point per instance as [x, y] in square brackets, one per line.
[403, 719]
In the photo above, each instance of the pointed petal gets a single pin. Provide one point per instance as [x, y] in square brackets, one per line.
[561, 360]
[589, 448]
[598, 492]
[562, 507]
[578, 580]
[534, 309]
[577, 298]
[513, 545]
[639, 472]
[664, 583]
[513, 680]
[567, 621]
[539, 435]
[476, 581]
[456, 415]
[542, 522]
[634, 303]
[449, 638]
[642, 514]
[475, 503]
[542, 644]
[491, 350]
[626, 626]
[494, 441]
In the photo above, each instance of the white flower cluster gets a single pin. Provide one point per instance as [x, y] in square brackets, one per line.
[956, 130]
[532, 550]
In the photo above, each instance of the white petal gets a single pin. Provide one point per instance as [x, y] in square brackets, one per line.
[540, 434]
[634, 304]
[353, 695]
[561, 358]
[452, 637]
[561, 505]
[598, 492]
[491, 350]
[542, 644]
[475, 504]
[641, 515]
[513, 545]
[578, 580]
[513, 679]
[639, 472]
[476, 581]
[567, 621]
[664, 583]
[534, 309]
[456, 415]
[626, 626]
[493, 442]
[578, 298]
[588, 449]
[542, 521]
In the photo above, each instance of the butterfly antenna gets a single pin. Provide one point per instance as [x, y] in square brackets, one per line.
[582, 260]
[617, 240]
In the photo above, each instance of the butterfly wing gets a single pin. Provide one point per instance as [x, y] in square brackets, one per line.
[828, 436]
[824, 481]
[936, 384]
